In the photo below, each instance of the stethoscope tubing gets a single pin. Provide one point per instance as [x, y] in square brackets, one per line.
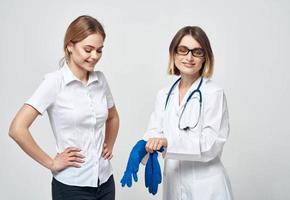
[197, 90]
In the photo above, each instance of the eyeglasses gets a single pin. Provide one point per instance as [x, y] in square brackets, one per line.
[196, 52]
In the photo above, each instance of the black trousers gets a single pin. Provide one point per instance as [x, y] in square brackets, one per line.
[61, 191]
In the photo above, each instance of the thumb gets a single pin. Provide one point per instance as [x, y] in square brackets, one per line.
[135, 176]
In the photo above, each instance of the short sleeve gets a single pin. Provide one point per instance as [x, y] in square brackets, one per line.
[107, 90]
[45, 94]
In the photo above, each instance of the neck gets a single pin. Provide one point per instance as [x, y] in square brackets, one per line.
[187, 80]
[80, 73]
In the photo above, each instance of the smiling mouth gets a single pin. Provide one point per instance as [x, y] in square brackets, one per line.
[188, 64]
[92, 63]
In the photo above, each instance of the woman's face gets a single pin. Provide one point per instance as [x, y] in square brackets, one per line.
[189, 56]
[86, 53]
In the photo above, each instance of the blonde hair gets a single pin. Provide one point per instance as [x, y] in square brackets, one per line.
[199, 35]
[79, 29]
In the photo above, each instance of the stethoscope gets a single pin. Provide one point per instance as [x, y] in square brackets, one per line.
[197, 90]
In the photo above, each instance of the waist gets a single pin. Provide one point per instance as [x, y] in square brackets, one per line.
[88, 174]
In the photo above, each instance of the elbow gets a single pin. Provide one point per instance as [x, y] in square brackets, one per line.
[14, 132]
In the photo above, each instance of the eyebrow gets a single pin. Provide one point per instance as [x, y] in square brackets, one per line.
[94, 46]
[189, 48]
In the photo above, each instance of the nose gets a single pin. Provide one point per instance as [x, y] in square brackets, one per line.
[189, 56]
[94, 54]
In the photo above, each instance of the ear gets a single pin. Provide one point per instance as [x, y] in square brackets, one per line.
[70, 47]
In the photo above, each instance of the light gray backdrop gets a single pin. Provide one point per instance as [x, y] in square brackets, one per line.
[251, 43]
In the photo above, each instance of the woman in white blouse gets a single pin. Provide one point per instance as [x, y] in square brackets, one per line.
[79, 103]
[191, 120]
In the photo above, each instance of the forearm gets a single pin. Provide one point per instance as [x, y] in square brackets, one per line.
[112, 127]
[24, 139]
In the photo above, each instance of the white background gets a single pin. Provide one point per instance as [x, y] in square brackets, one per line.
[250, 40]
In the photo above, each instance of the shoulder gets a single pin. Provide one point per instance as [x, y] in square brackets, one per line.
[163, 92]
[54, 77]
[210, 87]
[213, 94]
[171, 86]
[102, 80]
[100, 75]
[51, 82]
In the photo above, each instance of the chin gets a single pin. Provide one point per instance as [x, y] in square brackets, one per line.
[90, 68]
[188, 72]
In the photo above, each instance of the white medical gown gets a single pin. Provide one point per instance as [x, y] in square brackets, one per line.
[192, 166]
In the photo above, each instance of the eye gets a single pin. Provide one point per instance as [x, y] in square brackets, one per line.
[182, 50]
[88, 50]
[198, 52]
[100, 50]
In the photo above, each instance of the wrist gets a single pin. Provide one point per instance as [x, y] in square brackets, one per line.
[109, 144]
[50, 164]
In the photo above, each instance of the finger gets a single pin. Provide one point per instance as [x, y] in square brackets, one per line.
[68, 149]
[159, 146]
[105, 145]
[155, 145]
[75, 154]
[149, 146]
[127, 179]
[104, 152]
[155, 187]
[110, 157]
[129, 183]
[135, 176]
[107, 155]
[71, 149]
[74, 159]
[123, 182]
[149, 142]
[73, 164]
[147, 173]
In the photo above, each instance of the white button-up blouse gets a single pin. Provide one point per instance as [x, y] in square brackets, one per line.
[77, 115]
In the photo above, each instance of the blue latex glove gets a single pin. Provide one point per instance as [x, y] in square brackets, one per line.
[153, 175]
[136, 156]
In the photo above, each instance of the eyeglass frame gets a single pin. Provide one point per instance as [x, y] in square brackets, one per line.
[190, 50]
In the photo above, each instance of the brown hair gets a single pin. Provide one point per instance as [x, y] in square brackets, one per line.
[79, 29]
[199, 35]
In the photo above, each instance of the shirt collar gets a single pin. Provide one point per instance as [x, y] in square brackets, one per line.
[192, 87]
[69, 76]
[195, 84]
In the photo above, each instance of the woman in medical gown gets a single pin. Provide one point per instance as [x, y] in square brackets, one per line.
[193, 136]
